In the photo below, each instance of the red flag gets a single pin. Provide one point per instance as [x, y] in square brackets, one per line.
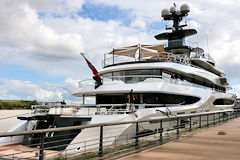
[94, 70]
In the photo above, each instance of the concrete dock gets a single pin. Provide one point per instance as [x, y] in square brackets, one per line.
[204, 145]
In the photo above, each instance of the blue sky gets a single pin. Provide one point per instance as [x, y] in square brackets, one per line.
[40, 40]
[102, 12]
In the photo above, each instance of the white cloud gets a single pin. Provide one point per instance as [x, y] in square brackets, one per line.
[21, 28]
[138, 24]
[16, 89]
[236, 90]
[58, 7]
[51, 45]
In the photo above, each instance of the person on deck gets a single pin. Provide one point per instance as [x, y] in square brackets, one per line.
[131, 99]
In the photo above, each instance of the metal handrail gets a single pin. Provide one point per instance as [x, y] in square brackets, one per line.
[165, 79]
[158, 56]
[7, 134]
[101, 145]
[114, 108]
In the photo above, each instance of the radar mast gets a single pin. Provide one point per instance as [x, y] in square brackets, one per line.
[176, 38]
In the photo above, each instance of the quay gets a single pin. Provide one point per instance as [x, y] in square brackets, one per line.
[204, 145]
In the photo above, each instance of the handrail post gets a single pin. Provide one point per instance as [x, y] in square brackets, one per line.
[104, 62]
[41, 149]
[161, 130]
[214, 118]
[177, 126]
[136, 140]
[207, 121]
[219, 117]
[113, 56]
[139, 52]
[190, 123]
[200, 121]
[100, 153]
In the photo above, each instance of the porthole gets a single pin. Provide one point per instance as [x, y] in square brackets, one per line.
[79, 149]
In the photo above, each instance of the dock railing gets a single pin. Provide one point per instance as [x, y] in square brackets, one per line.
[47, 146]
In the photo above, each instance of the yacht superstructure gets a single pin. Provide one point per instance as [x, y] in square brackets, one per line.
[167, 80]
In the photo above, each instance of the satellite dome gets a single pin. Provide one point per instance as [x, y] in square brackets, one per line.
[172, 9]
[165, 12]
[185, 8]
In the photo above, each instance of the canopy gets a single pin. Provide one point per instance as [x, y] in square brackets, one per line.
[141, 50]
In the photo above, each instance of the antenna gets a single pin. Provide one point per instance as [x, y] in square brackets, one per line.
[207, 44]
[207, 37]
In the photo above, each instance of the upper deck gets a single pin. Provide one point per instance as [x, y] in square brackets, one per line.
[139, 53]
[153, 53]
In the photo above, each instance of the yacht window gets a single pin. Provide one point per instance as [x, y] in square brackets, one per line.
[166, 76]
[131, 76]
[140, 75]
[107, 77]
[223, 102]
[147, 98]
[117, 76]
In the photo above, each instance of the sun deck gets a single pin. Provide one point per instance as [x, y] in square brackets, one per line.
[140, 54]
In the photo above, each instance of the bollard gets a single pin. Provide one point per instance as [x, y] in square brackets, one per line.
[100, 153]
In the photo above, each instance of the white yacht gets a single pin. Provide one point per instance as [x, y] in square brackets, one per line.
[169, 79]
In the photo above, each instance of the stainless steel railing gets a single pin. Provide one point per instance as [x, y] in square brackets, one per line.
[141, 78]
[167, 128]
[143, 56]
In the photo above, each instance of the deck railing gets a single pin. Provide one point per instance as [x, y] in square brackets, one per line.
[143, 57]
[167, 128]
[131, 79]
[141, 54]
[92, 109]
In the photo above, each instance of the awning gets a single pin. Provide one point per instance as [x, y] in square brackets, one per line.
[143, 50]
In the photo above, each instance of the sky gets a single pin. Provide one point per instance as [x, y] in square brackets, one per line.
[40, 40]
